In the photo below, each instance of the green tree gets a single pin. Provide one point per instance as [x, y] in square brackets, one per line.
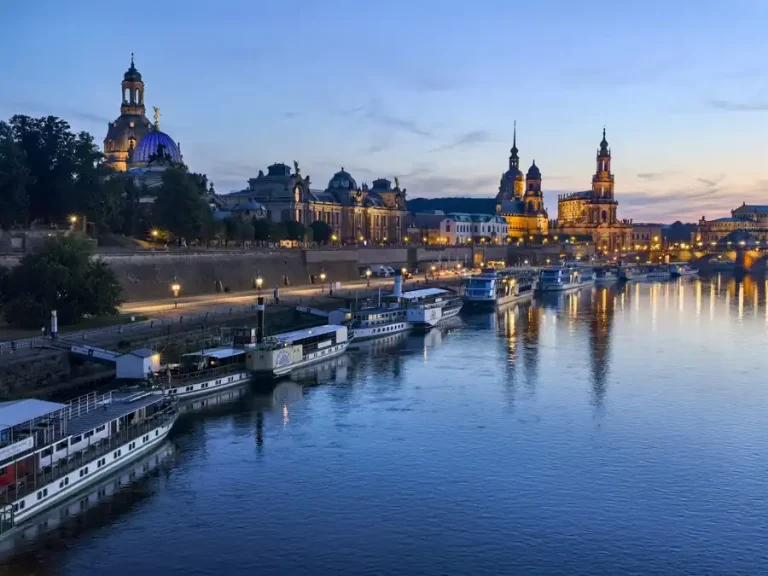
[237, 229]
[60, 276]
[14, 178]
[295, 230]
[260, 229]
[180, 207]
[321, 232]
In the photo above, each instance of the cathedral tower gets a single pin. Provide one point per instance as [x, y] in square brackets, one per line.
[124, 134]
[534, 198]
[603, 204]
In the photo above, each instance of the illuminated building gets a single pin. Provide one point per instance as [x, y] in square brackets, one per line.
[592, 213]
[135, 144]
[749, 218]
[520, 199]
[355, 213]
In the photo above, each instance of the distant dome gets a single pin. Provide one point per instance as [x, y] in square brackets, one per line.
[513, 174]
[132, 75]
[154, 143]
[342, 180]
[533, 172]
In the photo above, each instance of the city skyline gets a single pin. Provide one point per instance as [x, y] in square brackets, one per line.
[385, 91]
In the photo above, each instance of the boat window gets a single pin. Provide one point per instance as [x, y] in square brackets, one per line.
[47, 452]
[61, 446]
[101, 428]
[88, 434]
[76, 439]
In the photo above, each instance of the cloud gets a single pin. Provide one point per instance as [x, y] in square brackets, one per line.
[64, 112]
[430, 186]
[289, 115]
[375, 112]
[379, 145]
[731, 106]
[710, 182]
[467, 139]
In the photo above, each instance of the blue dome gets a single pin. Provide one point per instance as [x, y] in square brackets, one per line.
[155, 143]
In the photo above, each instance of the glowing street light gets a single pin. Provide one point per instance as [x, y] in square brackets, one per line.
[73, 219]
[155, 233]
[176, 288]
[405, 239]
[334, 238]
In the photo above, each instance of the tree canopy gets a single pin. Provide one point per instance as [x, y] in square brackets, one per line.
[321, 232]
[180, 206]
[60, 276]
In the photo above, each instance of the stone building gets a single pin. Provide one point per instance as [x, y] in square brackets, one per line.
[647, 236]
[592, 213]
[751, 218]
[520, 199]
[135, 145]
[355, 213]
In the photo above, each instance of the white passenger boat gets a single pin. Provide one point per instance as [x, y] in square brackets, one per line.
[498, 287]
[682, 269]
[607, 274]
[561, 278]
[378, 322]
[430, 307]
[280, 354]
[627, 273]
[49, 451]
[660, 272]
[203, 372]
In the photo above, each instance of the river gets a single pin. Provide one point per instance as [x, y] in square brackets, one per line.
[613, 430]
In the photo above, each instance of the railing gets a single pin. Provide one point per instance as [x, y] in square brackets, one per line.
[32, 482]
[180, 379]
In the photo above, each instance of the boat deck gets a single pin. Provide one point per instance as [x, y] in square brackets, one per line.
[123, 403]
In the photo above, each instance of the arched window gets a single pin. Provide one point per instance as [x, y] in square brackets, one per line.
[531, 206]
[605, 216]
[125, 95]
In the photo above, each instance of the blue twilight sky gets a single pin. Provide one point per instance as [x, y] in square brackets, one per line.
[425, 90]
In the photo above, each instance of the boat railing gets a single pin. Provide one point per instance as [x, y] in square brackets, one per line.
[207, 374]
[31, 482]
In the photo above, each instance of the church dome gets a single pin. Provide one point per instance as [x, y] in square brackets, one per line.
[533, 172]
[154, 144]
[513, 174]
[342, 180]
[132, 75]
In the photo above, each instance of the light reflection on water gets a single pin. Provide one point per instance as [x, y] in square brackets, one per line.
[614, 429]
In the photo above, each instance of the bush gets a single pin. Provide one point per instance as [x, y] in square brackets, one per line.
[60, 276]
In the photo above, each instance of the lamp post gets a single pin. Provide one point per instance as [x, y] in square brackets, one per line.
[176, 288]
[322, 282]
[368, 278]
[259, 282]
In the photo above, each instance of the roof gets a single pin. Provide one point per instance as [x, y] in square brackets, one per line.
[218, 353]
[423, 293]
[752, 208]
[141, 353]
[17, 412]
[298, 334]
[122, 403]
[512, 207]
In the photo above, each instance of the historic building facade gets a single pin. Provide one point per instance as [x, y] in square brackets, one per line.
[355, 213]
[592, 213]
[135, 145]
[520, 199]
[750, 218]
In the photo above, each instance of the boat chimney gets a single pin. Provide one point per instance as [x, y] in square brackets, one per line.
[397, 290]
[260, 320]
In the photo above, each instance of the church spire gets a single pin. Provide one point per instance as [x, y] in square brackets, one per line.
[514, 159]
[604, 150]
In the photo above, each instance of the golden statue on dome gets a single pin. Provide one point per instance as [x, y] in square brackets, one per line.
[157, 117]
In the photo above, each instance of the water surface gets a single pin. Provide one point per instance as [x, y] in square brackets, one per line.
[606, 431]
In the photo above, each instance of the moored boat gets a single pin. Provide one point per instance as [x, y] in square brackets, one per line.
[605, 274]
[561, 278]
[280, 354]
[493, 288]
[430, 307]
[49, 451]
[682, 269]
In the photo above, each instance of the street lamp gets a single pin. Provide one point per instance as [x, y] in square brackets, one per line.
[176, 288]
[322, 281]
[259, 282]
[334, 238]
[405, 239]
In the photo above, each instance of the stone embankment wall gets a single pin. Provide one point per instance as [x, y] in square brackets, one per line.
[149, 275]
